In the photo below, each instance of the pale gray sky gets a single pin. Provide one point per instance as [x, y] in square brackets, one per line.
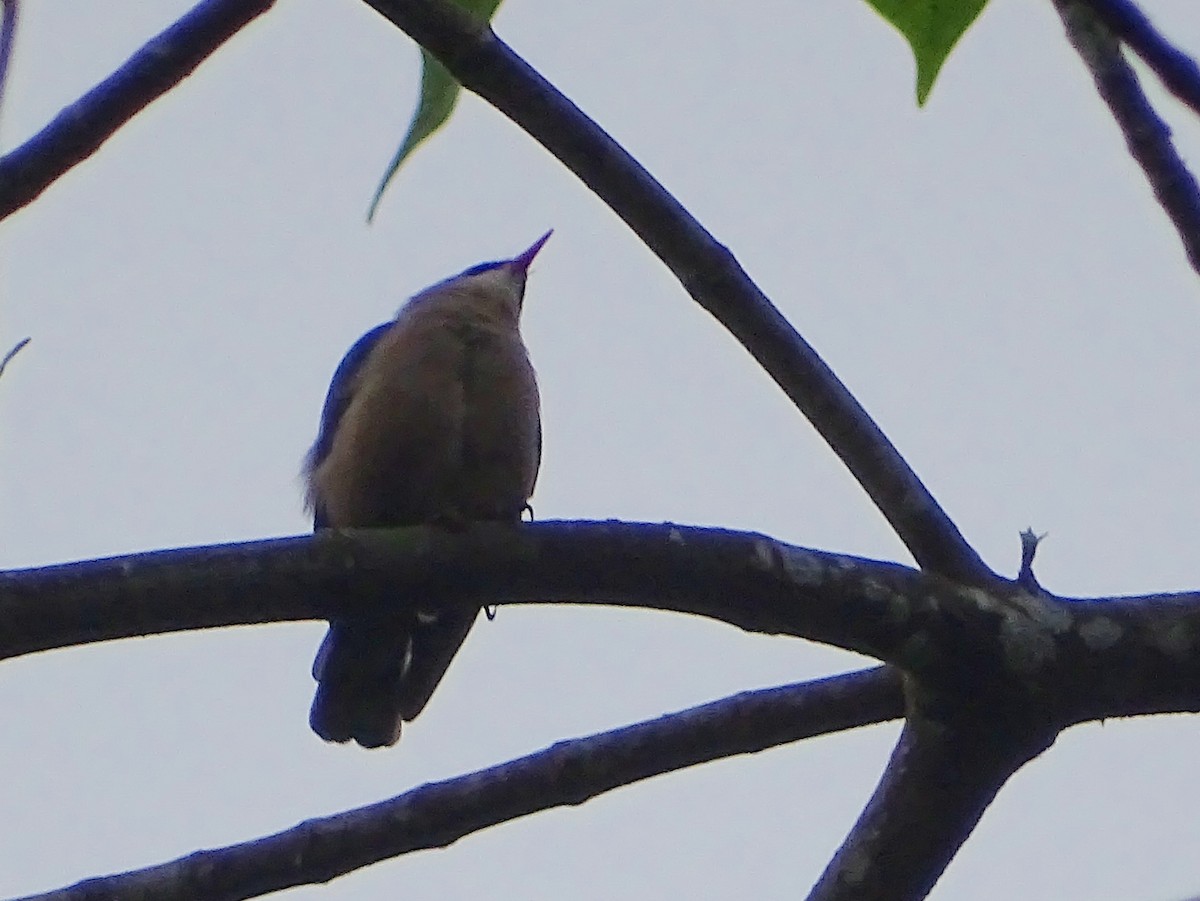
[990, 276]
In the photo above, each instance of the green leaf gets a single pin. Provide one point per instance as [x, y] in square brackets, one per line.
[439, 95]
[932, 28]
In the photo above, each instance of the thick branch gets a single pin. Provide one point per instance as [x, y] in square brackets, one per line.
[1080, 659]
[1177, 70]
[568, 773]
[1147, 136]
[707, 270]
[79, 130]
[741, 578]
[940, 779]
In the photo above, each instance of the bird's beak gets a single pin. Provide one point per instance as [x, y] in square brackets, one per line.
[522, 261]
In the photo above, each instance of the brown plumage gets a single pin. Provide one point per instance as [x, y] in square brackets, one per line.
[431, 418]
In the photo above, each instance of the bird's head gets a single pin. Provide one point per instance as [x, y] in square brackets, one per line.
[500, 280]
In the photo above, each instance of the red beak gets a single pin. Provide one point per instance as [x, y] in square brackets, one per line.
[522, 261]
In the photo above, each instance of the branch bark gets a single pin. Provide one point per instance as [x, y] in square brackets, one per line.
[942, 776]
[1146, 134]
[78, 131]
[1176, 69]
[568, 773]
[1084, 659]
[742, 578]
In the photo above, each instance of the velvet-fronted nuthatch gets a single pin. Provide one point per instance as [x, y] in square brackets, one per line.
[433, 418]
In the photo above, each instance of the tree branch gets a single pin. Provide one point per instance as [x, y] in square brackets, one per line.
[940, 779]
[1146, 135]
[1078, 659]
[13, 351]
[484, 64]
[741, 578]
[78, 131]
[568, 773]
[8, 33]
[1176, 69]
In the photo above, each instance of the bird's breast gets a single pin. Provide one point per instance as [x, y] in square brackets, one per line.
[501, 427]
[444, 424]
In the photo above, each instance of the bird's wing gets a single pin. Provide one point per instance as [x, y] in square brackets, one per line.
[537, 457]
[341, 391]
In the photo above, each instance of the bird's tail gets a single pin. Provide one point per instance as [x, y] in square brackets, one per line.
[374, 674]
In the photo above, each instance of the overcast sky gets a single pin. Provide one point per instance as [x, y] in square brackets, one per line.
[990, 276]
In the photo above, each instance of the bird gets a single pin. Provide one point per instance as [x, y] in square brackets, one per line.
[431, 418]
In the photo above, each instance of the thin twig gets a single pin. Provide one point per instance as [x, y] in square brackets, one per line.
[8, 32]
[1147, 136]
[569, 773]
[708, 271]
[78, 131]
[12, 353]
[1029, 545]
[1178, 71]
